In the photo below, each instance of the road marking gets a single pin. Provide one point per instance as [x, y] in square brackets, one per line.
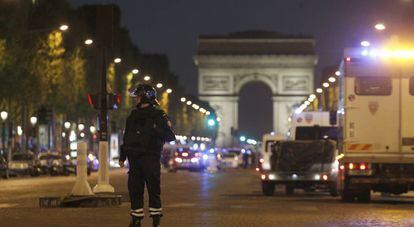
[8, 205]
[179, 205]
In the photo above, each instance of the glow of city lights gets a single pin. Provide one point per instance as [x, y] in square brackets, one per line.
[117, 60]
[88, 41]
[81, 127]
[325, 84]
[159, 85]
[4, 115]
[365, 43]
[380, 27]
[135, 71]
[67, 125]
[169, 91]
[312, 96]
[338, 73]
[189, 102]
[307, 103]
[33, 120]
[63, 134]
[92, 129]
[147, 78]
[64, 27]
[211, 122]
[332, 79]
[183, 99]
[19, 130]
[319, 90]
[208, 113]
[82, 134]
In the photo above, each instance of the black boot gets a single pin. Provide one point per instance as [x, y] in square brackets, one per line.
[156, 220]
[135, 222]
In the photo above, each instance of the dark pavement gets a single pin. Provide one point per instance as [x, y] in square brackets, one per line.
[230, 198]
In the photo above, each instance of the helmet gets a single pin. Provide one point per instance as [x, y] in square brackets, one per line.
[147, 93]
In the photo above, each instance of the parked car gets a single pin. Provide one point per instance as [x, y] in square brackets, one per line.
[51, 163]
[24, 164]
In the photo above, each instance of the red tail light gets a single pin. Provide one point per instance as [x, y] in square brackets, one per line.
[362, 166]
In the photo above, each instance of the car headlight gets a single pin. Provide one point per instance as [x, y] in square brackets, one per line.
[178, 160]
[194, 160]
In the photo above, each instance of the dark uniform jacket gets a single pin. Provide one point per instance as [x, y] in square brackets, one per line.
[146, 131]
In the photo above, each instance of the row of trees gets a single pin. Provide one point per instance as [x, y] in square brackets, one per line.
[41, 65]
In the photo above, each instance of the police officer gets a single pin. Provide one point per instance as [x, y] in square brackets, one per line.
[147, 129]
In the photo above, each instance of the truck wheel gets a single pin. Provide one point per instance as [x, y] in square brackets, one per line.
[364, 196]
[289, 190]
[268, 188]
[347, 195]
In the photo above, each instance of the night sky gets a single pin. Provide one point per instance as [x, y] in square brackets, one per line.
[172, 26]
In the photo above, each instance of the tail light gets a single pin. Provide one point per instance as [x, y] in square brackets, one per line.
[325, 177]
[357, 168]
[263, 176]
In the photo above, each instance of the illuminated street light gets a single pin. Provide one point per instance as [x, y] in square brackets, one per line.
[82, 134]
[159, 85]
[135, 71]
[81, 127]
[33, 120]
[380, 27]
[218, 119]
[67, 125]
[92, 129]
[208, 113]
[4, 115]
[64, 27]
[319, 90]
[189, 103]
[147, 78]
[88, 41]
[19, 130]
[338, 73]
[307, 103]
[183, 99]
[365, 43]
[325, 84]
[63, 134]
[117, 60]
[242, 138]
[312, 96]
[331, 79]
[169, 91]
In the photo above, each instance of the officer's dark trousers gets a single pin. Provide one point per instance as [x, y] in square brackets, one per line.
[144, 171]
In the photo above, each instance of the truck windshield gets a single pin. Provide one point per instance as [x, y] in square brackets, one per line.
[373, 86]
[301, 156]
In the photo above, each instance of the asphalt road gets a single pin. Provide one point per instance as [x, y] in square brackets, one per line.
[230, 198]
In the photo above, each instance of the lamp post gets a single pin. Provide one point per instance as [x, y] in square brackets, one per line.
[33, 121]
[3, 116]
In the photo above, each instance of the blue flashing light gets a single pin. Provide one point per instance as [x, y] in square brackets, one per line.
[211, 122]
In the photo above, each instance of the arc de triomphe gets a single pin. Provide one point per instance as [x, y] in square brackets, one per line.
[228, 62]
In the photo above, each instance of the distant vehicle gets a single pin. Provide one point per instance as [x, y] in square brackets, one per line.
[309, 120]
[229, 160]
[302, 164]
[51, 163]
[70, 163]
[3, 167]
[187, 159]
[376, 97]
[24, 164]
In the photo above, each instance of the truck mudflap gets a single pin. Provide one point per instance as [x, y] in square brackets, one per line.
[377, 180]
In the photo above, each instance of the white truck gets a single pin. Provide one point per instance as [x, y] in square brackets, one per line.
[376, 117]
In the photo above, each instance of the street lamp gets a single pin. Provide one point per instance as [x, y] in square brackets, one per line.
[3, 116]
[365, 43]
[92, 129]
[117, 60]
[64, 27]
[159, 85]
[380, 27]
[169, 90]
[325, 85]
[81, 127]
[67, 125]
[319, 90]
[183, 99]
[135, 71]
[147, 78]
[88, 42]
[332, 79]
[33, 120]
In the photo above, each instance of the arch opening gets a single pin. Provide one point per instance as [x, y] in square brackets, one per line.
[255, 109]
